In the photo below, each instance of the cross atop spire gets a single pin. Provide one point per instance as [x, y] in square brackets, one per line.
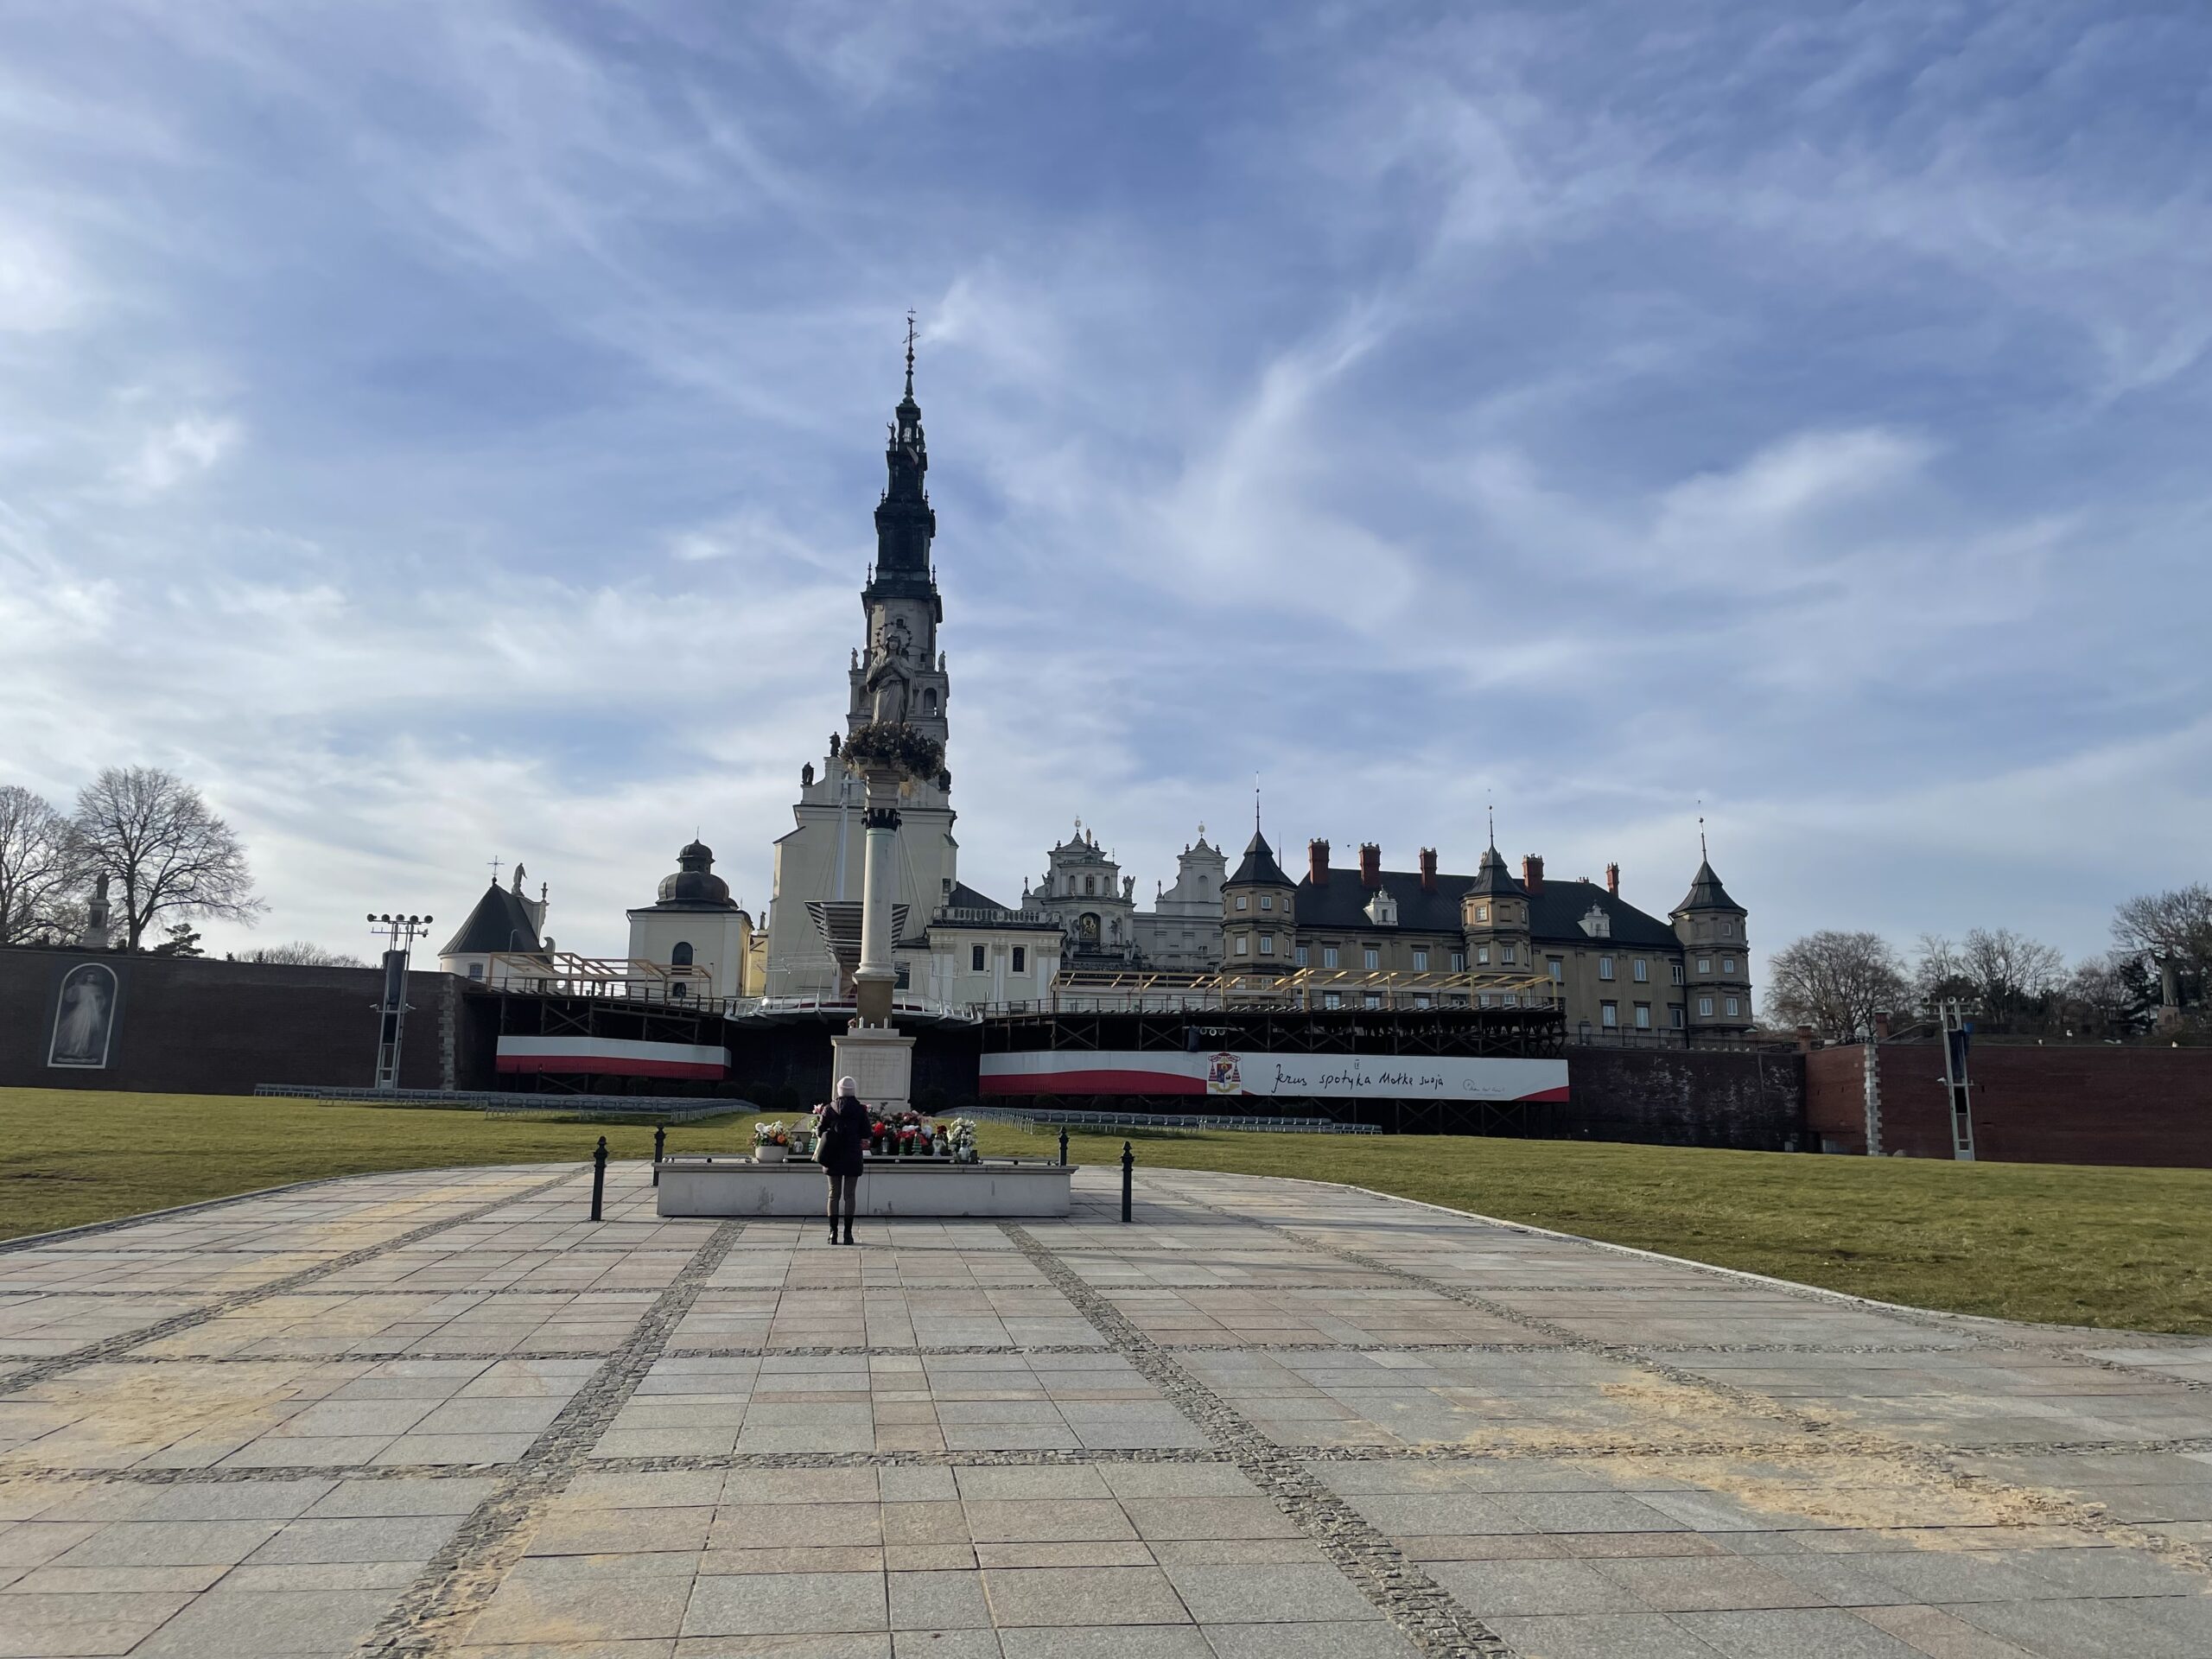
[910, 350]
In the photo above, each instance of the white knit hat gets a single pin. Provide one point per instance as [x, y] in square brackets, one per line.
[847, 1086]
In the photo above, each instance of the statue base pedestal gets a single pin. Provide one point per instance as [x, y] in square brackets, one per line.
[880, 1059]
[872, 989]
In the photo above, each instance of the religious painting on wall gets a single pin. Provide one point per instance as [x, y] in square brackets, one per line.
[84, 1018]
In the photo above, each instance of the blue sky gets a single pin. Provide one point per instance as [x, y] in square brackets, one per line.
[450, 431]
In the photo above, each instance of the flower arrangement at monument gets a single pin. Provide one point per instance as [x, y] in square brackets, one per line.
[960, 1139]
[772, 1142]
[894, 747]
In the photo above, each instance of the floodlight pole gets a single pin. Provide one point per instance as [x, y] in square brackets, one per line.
[1955, 1083]
[402, 932]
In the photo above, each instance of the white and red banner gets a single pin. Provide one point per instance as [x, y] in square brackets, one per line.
[1258, 1074]
[613, 1057]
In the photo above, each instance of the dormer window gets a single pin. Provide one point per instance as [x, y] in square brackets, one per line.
[1382, 909]
[1597, 923]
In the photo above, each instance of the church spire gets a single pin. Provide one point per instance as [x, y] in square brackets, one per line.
[904, 521]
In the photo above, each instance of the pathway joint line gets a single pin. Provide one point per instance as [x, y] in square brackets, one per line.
[453, 1587]
[1422, 1610]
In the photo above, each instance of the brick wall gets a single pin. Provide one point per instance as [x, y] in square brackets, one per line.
[190, 1026]
[2074, 1103]
[1751, 1100]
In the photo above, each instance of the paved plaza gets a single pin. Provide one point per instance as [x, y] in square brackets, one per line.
[444, 1413]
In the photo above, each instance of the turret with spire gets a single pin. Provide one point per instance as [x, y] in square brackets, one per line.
[1716, 951]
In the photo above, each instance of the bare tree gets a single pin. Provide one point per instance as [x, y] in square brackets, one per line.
[2177, 924]
[1833, 982]
[2098, 1000]
[41, 870]
[1939, 973]
[2011, 974]
[167, 852]
[300, 953]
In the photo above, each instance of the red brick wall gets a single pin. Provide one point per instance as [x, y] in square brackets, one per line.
[2071, 1104]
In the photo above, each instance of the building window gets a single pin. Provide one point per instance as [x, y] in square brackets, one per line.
[1458, 962]
[1481, 1000]
[1482, 956]
[974, 958]
[1328, 956]
[1330, 999]
[1675, 1014]
[1420, 959]
[1705, 1007]
[1605, 967]
[1090, 886]
[1643, 1016]
[1727, 928]
[1675, 973]
[1267, 901]
[1302, 954]
[1505, 955]
[1728, 964]
[1482, 913]
[1243, 902]
[1372, 957]
[1557, 967]
[680, 956]
[1734, 1008]
[1422, 1001]
[1375, 999]
[1705, 964]
[1643, 971]
[1020, 958]
[476, 971]
[1243, 945]
[1266, 945]
[1609, 1014]
[1510, 1000]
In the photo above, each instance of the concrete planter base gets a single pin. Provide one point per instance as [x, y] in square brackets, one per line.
[890, 1187]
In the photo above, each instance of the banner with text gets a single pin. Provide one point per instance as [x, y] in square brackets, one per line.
[1261, 1074]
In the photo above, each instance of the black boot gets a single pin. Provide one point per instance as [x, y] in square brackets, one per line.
[849, 1231]
[832, 1230]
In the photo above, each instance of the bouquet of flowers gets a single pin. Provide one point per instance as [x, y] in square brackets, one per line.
[960, 1133]
[770, 1135]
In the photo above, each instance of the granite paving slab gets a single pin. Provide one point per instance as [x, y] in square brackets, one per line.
[441, 1412]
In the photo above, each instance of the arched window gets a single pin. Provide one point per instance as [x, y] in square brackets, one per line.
[929, 702]
[681, 956]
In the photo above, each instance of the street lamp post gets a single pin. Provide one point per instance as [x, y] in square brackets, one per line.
[402, 932]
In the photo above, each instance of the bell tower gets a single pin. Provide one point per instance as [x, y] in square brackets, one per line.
[900, 670]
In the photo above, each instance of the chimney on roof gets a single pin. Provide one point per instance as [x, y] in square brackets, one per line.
[1881, 1025]
[1428, 869]
[1371, 864]
[1317, 862]
[1532, 872]
[1613, 879]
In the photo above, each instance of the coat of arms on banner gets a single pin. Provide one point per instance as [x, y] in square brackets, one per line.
[1223, 1077]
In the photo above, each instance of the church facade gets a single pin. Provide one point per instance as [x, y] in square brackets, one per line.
[1614, 969]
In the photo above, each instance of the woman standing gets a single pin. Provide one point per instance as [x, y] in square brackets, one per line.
[844, 1132]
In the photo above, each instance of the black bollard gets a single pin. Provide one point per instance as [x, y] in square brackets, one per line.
[1064, 1146]
[598, 1178]
[1128, 1167]
[660, 1141]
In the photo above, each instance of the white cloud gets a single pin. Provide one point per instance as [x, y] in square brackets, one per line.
[180, 449]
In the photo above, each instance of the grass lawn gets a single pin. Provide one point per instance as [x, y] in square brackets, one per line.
[2125, 1247]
